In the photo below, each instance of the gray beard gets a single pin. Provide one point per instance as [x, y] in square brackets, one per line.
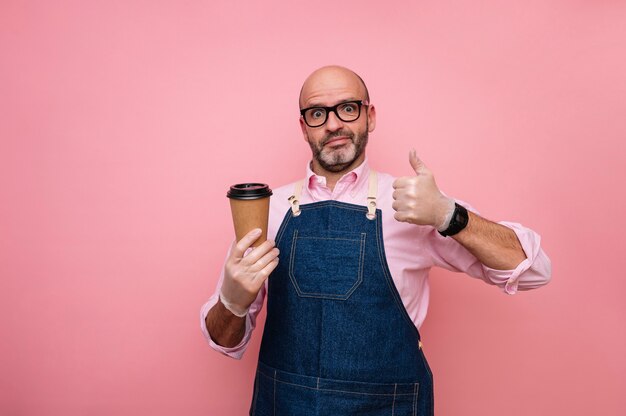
[338, 162]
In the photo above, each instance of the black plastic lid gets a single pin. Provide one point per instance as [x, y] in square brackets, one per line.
[249, 191]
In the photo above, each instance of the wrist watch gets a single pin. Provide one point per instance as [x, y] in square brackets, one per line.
[459, 221]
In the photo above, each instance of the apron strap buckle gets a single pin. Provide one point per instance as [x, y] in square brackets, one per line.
[295, 206]
[371, 195]
[371, 208]
[294, 199]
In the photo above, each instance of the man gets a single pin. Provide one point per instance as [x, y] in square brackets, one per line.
[350, 291]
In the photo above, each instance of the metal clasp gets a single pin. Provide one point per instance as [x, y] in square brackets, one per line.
[295, 206]
[371, 208]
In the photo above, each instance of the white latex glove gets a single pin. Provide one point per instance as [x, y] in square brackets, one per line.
[417, 199]
[245, 275]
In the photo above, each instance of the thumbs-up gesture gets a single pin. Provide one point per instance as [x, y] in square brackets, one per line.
[417, 199]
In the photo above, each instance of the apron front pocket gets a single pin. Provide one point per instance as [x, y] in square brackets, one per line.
[357, 403]
[282, 393]
[338, 274]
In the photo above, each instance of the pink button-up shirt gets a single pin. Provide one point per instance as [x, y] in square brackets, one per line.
[411, 250]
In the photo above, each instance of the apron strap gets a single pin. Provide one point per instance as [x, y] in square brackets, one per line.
[371, 195]
[294, 199]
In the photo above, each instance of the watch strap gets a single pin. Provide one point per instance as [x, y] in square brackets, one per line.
[459, 221]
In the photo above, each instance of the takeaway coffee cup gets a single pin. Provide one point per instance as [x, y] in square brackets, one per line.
[250, 206]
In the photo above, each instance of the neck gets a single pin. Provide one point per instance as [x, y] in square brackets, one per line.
[333, 177]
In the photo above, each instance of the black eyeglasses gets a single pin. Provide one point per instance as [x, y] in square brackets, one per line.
[347, 111]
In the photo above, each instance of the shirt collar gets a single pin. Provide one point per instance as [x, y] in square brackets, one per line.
[353, 179]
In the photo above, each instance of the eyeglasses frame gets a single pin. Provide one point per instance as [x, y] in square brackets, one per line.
[360, 103]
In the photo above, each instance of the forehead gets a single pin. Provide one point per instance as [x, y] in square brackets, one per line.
[330, 85]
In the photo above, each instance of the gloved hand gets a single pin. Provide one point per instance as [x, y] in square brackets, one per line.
[417, 199]
[245, 275]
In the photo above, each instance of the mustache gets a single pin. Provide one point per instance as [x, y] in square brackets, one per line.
[332, 135]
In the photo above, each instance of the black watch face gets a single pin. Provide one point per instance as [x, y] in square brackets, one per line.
[458, 221]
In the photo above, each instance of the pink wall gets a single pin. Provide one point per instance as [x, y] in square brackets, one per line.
[122, 124]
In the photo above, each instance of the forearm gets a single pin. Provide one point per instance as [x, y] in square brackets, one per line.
[225, 328]
[494, 245]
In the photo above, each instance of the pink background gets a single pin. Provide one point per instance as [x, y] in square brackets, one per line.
[123, 123]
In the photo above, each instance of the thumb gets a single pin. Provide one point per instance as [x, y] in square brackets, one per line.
[416, 163]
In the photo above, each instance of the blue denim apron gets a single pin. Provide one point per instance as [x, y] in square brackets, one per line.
[337, 338]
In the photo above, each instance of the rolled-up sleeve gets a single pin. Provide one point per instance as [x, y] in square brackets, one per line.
[533, 272]
[237, 351]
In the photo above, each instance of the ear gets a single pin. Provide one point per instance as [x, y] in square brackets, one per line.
[371, 118]
[303, 128]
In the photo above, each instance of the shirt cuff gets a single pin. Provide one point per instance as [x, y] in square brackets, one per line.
[235, 352]
[508, 280]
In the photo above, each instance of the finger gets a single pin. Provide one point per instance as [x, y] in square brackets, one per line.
[263, 274]
[246, 241]
[404, 194]
[417, 165]
[258, 252]
[402, 182]
[265, 260]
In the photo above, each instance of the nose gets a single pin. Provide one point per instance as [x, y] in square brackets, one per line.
[333, 123]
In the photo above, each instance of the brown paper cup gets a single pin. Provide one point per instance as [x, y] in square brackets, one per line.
[250, 205]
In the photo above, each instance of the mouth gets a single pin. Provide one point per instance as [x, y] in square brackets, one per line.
[338, 141]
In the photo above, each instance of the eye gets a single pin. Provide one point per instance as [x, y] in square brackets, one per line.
[317, 113]
[349, 108]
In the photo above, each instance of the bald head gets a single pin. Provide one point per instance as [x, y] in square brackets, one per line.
[329, 81]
